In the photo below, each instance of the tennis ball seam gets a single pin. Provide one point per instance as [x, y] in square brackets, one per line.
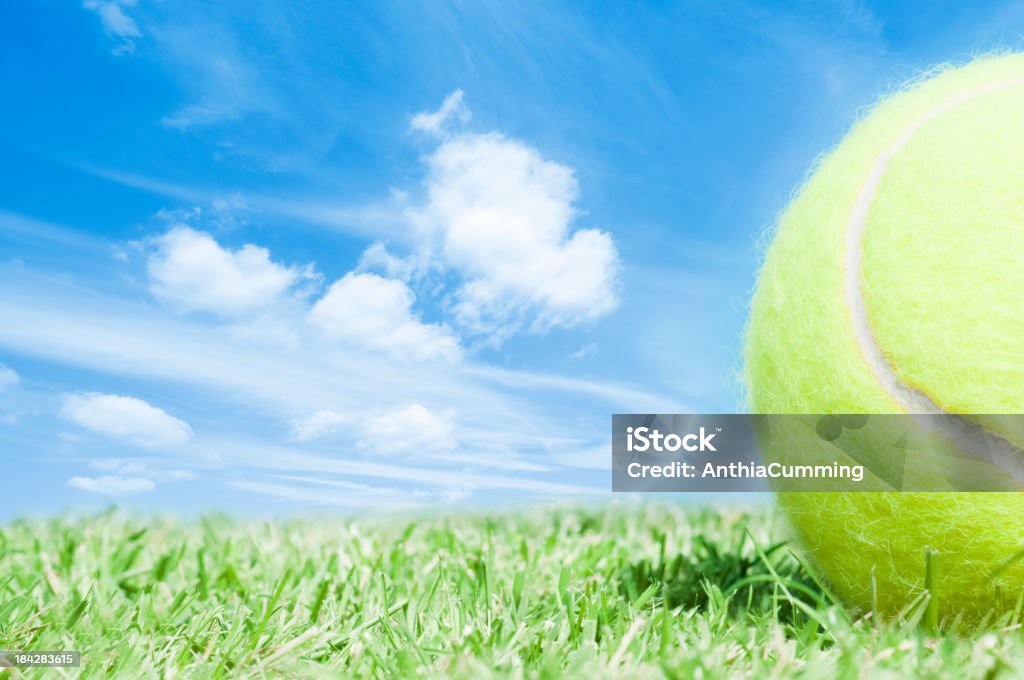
[968, 437]
[909, 398]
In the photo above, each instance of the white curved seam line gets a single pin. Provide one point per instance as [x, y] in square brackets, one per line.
[967, 436]
[910, 399]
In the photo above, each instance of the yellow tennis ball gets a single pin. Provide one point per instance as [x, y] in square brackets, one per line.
[894, 284]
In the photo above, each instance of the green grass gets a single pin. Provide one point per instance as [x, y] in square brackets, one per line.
[623, 591]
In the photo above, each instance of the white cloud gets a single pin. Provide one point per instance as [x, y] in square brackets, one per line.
[193, 272]
[323, 422]
[499, 215]
[8, 378]
[378, 258]
[371, 312]
[455, 494]
[411, 429]
[221, 73]
[125, 417]
[116, 23]
[587, 350]
[433, 122]
[112, 485]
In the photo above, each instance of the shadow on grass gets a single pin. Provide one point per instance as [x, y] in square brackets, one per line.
[767, 581]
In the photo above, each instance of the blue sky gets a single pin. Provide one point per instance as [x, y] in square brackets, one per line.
[268, 256]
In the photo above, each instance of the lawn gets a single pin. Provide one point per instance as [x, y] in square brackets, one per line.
[625, 590]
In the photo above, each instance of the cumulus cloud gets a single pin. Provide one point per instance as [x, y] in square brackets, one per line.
[374, 313]
[433, 122]
[411, 429]
[378, 258]
[192, 271]
[8, 378]
[125, 417]
[116, 23]
[112, 485]
[321, 423]
[500, 216]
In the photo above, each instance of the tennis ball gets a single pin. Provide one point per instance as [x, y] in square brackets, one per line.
[894, 284]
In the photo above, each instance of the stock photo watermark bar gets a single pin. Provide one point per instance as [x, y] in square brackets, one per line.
[817, 452]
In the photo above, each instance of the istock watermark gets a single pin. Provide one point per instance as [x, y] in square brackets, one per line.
[817, 452]
[644, 439]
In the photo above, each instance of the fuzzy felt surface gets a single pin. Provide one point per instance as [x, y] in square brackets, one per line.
[944, 291]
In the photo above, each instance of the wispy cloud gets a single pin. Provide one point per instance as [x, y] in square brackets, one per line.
[8, 378]
[215, 68]
[139, 467]
[356, 487]
[386, 219]
[320, 424]
[590, 457]
[203, 50]
[314, 492]
[112, 485]
[27, 230]
[434, 122]
[285, 460]
[585, 351]
[116, 23]
[342, 493]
